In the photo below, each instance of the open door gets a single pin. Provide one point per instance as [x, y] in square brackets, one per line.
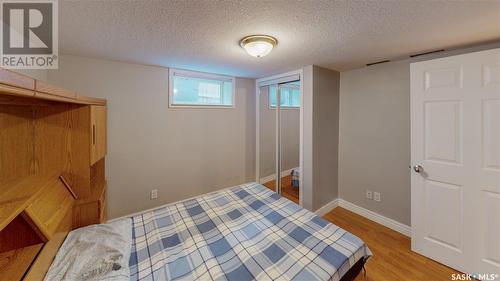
[455, 182]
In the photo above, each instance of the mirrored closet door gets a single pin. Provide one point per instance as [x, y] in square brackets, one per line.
[279, 102]
[267, 140]
[289, 123]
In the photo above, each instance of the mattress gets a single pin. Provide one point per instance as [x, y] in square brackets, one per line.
[242, 233]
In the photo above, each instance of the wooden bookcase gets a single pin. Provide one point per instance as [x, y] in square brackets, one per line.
[52, 171]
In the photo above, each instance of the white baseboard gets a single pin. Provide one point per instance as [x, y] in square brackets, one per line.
[273, 176]
[378, 218]
[267, 179]
[327, 207]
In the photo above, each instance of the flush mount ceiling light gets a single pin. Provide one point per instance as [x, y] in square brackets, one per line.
[258, 45]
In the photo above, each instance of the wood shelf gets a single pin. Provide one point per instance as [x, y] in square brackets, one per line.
[18, 194]
[14, 263]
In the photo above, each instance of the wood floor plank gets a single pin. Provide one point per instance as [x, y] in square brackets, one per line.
[392, 257]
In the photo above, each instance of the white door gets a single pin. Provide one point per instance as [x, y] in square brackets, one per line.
[455, 152]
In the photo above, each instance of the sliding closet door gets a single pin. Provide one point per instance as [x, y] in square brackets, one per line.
[455, 181]
[289, 119]
[267, 139]
[278, 133]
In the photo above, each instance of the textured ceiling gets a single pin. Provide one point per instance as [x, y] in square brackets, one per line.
[204, 34]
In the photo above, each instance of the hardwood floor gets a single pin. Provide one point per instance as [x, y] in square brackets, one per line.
[287, 191]
[392, 258]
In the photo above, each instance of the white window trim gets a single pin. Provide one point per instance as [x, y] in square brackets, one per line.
[203, 75]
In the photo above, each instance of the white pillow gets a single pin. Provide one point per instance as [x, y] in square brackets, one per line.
[95, 252]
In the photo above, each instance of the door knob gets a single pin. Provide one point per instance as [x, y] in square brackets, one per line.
[418, 168]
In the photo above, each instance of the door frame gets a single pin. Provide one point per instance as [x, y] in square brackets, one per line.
[259, 81]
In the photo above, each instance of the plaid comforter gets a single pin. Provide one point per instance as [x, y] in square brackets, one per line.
[243, 233]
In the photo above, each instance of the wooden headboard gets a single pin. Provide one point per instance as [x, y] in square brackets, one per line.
[52, 176]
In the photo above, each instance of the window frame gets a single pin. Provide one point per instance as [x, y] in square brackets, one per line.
[273, 107]
[202, 75]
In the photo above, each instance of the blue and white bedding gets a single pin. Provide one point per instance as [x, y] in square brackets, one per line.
[243, 233]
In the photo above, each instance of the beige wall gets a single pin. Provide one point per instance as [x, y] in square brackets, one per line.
[40, 74]
[290, 136]
[180, 152]
[375, 138]
[320, 136]
[326, 84]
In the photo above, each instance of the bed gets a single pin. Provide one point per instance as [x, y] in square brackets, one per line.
[245, 232]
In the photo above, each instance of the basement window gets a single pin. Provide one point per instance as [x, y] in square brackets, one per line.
[289, 98]
[200, 90]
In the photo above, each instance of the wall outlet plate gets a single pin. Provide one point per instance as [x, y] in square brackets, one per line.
[154, 194]
[369, 194]
[376, 196]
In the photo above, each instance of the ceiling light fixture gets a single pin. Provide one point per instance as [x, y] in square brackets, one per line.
[258, 45]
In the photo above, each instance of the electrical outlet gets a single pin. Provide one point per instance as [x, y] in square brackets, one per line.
[369, 194]
[376, 196]
[154, 194]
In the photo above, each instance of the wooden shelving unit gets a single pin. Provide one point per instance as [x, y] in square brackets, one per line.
[52, 176]
[42, 200]
[32, 209]
[17, 195]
